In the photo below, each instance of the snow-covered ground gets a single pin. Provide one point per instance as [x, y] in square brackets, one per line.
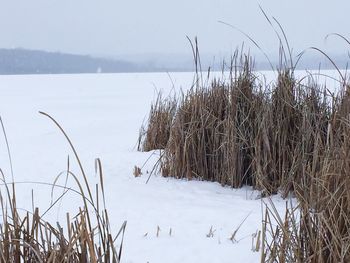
[102, 114]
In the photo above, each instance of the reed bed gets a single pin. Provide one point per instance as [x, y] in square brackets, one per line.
[161, 116]
[235, 132]
[317, 229]
[289, 137]
[211, 130]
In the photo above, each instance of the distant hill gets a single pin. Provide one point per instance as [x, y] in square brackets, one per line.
[22, 61]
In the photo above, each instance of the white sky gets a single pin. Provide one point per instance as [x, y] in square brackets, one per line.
[114, 27]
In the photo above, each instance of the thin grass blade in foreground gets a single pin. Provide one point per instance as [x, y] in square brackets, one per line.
[27, 237]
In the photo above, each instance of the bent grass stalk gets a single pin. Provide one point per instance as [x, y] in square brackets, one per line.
[27, 237]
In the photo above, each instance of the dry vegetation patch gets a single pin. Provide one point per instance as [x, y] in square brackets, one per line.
[85, 237]
[292, 136]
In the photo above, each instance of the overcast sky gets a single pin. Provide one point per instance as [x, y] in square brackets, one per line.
[117, 28]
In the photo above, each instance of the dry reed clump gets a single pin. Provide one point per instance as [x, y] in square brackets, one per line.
[278, 133]
[294, 116]
[318, 228]
[291, 136]
[240, 132]
[161, 115]
[86, 237]
[211, 131]
[237, 131]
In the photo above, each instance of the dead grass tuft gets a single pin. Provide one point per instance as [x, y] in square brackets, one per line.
[157, 133]
[292, 136]
[86, 237]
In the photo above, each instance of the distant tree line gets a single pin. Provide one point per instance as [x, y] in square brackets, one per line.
[22, 61]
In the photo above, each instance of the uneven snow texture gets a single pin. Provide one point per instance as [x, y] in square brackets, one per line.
[102, 114]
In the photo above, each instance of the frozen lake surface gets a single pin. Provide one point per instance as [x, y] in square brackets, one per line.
[102, 114]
